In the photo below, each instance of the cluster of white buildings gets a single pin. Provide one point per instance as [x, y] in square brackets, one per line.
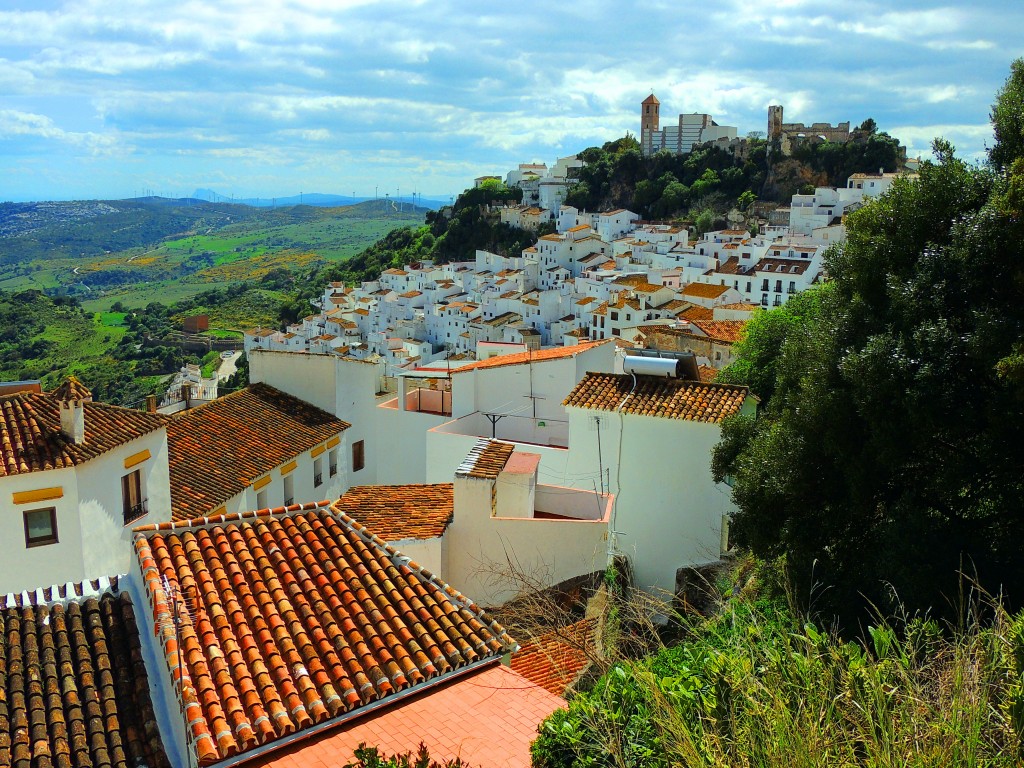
[597, 276]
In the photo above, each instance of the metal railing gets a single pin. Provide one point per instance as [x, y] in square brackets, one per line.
[135, 511]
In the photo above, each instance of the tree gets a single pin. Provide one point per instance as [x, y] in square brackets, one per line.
[1008, 119]
[887, 454]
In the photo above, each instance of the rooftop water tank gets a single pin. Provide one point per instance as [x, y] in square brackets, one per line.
[652, 366]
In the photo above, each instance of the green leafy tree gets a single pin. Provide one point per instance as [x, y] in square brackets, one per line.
[887, 454]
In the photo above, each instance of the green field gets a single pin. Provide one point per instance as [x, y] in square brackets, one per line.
[207, 249]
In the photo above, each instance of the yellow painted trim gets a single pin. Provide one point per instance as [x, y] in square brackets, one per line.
[290, 466]
[263, 483]
[318, 450]
[41, 494]
[137, 458]
[333, 442]
[219, 511]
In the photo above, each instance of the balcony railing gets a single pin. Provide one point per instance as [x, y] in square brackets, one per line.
[135, 511]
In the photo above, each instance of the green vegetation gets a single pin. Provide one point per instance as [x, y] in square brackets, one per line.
[370, 757]
[757, 685]
[702, 186]
[885, 459]
[136, 252]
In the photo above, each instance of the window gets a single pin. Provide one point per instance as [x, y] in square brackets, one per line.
[615, 315]
[748, 286]
[777, 302]
[792, 286]
[289, 490]
[764, 299]
[332, 462]
[318, 471]
[358, 456]
[133, 504]
[764, 284]
[778, 286]
[40, 527]
[261, 499]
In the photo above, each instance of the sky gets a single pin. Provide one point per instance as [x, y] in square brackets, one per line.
[115, 98]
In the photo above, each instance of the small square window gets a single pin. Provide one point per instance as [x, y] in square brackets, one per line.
[40, 527]
[358, 456]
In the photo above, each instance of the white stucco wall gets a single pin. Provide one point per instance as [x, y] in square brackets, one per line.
[27, 568]
[668, 508]
[106, 540]
[480, 547]
[346, 388]
[92, 540]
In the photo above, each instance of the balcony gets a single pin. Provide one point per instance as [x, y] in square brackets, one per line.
[133, 512]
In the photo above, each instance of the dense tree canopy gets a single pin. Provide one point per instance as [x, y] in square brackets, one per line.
[887, 454]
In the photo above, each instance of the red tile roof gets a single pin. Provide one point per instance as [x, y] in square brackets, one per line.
[396, 512]
[73, 687]
[704, 290]
[696, 312]
[72, 389]
[726, 331]
[536, 356]
[486, 460]
[487, 718]
[555, 660]
[217, 450]
[299, 616]
[31, 439]
[655, 396]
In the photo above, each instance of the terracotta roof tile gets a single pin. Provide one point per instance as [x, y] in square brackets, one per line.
[655, 396]
[31, 438]
[396, 512]
[727, 331]
[705, 290]
[296, 618]
[535, 356]
[73, 687]
[555, 660]
[696, 312]
[218, 449]
[72, 389]
[707, 373]
[486, 460]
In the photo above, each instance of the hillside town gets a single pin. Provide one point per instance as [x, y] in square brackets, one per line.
[319, 560]
[596, 275]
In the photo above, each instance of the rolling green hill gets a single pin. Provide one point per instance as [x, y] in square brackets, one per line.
[138, 251]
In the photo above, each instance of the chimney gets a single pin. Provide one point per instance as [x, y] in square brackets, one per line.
[72, 396]
[151, 403]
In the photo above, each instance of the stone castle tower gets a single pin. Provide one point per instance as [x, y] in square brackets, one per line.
[774, 122]
[650, 121]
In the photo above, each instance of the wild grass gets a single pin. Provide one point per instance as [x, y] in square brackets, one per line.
[754, 686]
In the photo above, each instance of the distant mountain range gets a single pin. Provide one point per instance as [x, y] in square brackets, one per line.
[315, 198]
